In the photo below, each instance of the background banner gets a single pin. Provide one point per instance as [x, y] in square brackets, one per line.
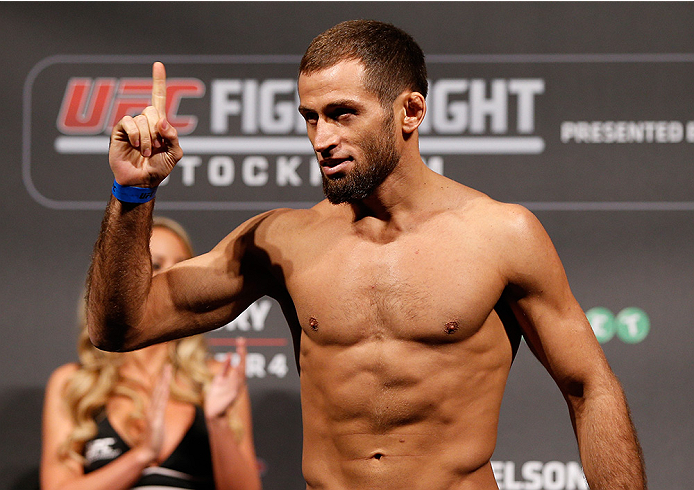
[583, 112]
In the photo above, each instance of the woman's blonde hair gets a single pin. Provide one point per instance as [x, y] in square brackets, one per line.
[98, 377]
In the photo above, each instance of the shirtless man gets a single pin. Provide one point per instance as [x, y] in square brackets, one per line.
[406, 293]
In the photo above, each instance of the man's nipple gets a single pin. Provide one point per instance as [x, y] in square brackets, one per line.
[451, 328]
[313, 323]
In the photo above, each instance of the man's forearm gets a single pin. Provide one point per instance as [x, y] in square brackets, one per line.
[610, 451]
[120, 274]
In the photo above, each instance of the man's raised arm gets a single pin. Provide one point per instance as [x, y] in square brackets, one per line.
[143, 151]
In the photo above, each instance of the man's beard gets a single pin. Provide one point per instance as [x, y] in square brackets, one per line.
[381, 156]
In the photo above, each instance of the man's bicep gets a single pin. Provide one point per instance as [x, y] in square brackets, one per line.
[560, 337]
[200, 294]
[553, 322]
[210, 290]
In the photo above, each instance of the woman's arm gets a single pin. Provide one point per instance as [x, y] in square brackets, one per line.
[233, 460]
[68, 474]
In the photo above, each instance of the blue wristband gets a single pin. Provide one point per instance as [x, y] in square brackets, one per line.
[127, 193]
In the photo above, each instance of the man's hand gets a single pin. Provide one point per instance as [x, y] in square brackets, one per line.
[145, 149]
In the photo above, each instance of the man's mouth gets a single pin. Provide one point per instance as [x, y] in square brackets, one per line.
[332, 166]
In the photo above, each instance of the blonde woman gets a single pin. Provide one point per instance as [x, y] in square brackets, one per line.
[164, 416]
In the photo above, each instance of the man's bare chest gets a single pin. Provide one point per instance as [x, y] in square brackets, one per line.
[414, 288]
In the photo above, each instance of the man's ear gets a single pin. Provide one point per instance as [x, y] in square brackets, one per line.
[415, 108]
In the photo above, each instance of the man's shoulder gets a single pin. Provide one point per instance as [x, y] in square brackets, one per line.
[500, 210]
[282, 223]
[471, 202]
[509, 221]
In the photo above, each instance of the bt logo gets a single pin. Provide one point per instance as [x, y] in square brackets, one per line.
[631, 324]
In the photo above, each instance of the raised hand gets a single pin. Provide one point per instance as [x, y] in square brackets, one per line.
[227, 385]
[144, 149]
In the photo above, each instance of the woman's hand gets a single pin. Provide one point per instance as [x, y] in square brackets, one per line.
[153, 439]
[227, 384]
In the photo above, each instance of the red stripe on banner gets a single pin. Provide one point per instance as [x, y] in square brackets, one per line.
[249, 342]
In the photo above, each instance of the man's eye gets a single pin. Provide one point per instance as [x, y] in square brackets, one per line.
[156, 266]
[310, 118]
[341, 114]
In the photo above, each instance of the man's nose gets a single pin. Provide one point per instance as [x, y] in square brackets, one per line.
[325, 137]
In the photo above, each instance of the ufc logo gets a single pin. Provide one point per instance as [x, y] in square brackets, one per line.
[94, 106]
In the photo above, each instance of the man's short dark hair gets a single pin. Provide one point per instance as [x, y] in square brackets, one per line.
[393, 60]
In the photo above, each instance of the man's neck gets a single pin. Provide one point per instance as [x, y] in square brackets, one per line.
[400, 200]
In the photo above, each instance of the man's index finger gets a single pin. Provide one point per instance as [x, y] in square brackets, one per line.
[159, 87]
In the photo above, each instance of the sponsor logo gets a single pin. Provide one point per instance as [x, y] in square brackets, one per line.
[93, 106]
[99, 449]
[631, 325]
